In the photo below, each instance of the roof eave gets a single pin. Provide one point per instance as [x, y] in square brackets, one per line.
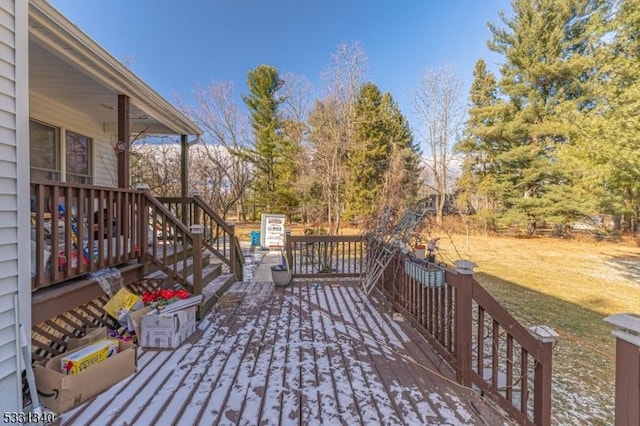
[53, 29]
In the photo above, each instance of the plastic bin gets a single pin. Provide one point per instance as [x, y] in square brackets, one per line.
[255, 238]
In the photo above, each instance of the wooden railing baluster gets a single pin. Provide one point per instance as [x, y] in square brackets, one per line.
[459, 316]
[315, 256]
[73, 230]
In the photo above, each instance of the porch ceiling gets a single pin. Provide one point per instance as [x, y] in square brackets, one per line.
[69, 67]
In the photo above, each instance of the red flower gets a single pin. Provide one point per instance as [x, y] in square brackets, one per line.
[182, 294]
[148, 297]
[164, 296]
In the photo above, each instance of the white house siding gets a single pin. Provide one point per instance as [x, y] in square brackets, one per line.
[104, 160]
[14, 196]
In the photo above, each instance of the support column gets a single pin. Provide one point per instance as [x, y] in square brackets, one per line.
[122, 146]
[627, 329]
[184, 158]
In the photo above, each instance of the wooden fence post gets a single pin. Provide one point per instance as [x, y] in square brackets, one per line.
[627, 332]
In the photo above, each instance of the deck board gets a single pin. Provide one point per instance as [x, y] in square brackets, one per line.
[311, 353]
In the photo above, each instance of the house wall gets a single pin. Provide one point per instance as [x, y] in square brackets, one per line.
[15, 277]
[104, 160]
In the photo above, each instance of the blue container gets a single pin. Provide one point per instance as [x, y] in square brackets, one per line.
[255, 238]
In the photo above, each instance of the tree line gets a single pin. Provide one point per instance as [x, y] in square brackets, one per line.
[552, 138]
[321, 161]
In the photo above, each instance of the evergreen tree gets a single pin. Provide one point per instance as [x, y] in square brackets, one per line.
[273, 155]
[545, 67]
[380, 133]
[481, 146]
[369, 156]
[609, 130]
[402, 180]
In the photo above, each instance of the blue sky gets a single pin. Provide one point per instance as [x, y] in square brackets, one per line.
[175, 45]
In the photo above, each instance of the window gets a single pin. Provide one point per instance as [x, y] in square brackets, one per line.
[47, 147]
[78, 158]
[44, 151]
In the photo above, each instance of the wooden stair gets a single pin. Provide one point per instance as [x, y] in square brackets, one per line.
[216, 278]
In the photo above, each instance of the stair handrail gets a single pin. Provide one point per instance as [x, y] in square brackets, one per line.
[236, 257]
[194, 238]
[190, 209]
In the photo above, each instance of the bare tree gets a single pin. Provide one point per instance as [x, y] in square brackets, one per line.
[296, 94]
[212, 167]
[343, 78]
[440, 112]
[156, 162]
[328, 140]
[222, 177]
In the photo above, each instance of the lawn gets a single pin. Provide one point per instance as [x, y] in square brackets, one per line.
[570, 286]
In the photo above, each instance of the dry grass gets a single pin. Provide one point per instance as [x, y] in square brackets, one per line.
[243, 229]
[571, 286]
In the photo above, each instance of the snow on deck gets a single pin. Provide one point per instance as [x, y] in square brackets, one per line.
[312, 353]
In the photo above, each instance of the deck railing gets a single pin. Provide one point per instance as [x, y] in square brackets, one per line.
[627, 394]
[172, 245]
[316, 256]
[78, 229]
[219, 236]
[488, 348]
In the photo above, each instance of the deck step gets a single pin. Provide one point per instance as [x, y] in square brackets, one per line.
[209, 273]
[155, 265]
[213, 291]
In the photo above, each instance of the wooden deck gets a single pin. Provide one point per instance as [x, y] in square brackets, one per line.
[312, 353]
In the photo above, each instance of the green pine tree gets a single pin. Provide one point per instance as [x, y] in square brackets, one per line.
[545, 46]
[381, 135]
[273, 155]
[482, 144]
[609, 130]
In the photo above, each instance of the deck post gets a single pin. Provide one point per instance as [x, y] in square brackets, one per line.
[542, 375]
[143, 218]
[287, 249]
[232, 252]
[195, 195]
[196, 232]
[626, 330]
[463, 317]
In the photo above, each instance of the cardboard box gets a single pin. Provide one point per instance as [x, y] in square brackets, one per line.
[167, 330]
[60, 392]
[92, 335]
[122, 303]
[135, 318]
[88, 356]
